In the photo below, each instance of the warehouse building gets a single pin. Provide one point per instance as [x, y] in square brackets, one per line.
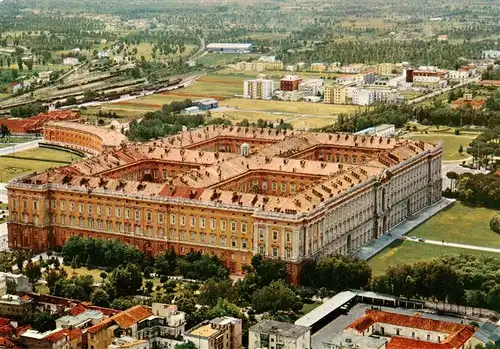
[229, 48]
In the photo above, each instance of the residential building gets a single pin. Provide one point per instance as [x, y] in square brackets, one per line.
[81, 321]
[443, 37]
[362, 96]
[269, 334]
[55, 339]
[224, 332]
[129, 343]
[412, 332]
[13, 306]
[229, 48]
[71, 61]
[20, 281]
[335, 94]
[352, 68]
[259, 66]
[197, 191]
[319, 67]
[258, 89]
[290, 83]
[160, 326]
[468, 100]
[384, 68]
[355, 341]
[491, 54]
[311, 87]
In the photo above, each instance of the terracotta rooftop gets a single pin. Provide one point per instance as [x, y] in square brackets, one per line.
[109, 137]
[124, 319]
[458, 334]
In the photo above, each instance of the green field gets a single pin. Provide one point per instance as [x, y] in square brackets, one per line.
[218, 59]
[11, 168]
[451, 143]
[290, 107]
[408, 252]
[461, 224]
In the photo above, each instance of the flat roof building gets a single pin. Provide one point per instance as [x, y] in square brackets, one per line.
[229, 47]
[354, 341]
[224, 332]
[275, 334]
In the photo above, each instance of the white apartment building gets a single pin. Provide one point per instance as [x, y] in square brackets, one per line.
[258, 89]
[491, 54]
[268, 334]
[311, 87]
[71, 61]
[363, 96]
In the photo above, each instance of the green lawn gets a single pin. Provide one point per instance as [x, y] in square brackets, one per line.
[408, 252]
[308, 307]
[217, 59]
[11, 168]
[461, 224]
[451, 143]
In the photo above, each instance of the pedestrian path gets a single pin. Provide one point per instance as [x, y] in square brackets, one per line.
[368, 251]
[468, 247]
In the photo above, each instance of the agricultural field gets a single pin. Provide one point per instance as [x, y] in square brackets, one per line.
[451, 143]
[290, 107]
[409, 252]
[461, 224]
[275, 74]
[35, 160]
[306, 123]
[219, 59]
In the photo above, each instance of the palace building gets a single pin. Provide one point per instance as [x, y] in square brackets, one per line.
[233, 192]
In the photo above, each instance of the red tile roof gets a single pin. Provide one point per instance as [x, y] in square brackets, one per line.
[73, 334]
[77, 309]
[35, 123]
[477, 103]
[458, 334]
[375, 316]
[56, 336]
[124, 319]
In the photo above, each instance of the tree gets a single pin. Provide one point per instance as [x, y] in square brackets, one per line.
[275, 297]
[103, 276]
[269, 270]
[212, 290]
[187, 345]
[4, 131]
[42, 321]
[495, 224]
[126, 281]
[149, 286]
[100, 298]
[461, 150]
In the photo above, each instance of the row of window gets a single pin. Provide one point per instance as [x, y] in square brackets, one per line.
[274, 252]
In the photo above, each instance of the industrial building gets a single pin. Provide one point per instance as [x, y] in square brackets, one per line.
[229, 48]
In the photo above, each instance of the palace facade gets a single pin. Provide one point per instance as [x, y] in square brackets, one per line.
[233, 192]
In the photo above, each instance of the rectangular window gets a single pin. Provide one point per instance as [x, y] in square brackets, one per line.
[138, 229]
[90, 208]
[155, 174]
[99, 210]
[244, 244]
[183, 220]
[233, 226]
[127, 213]
[212, 223]
[108, 211]
[14, 204]
[108, 226]
[90, 223]
[80, 207]
[164, 172]
[288, 236]
[223, 225]
[63, 205]
[35, 205]
[137, 215]
[172, 218]
[275, 186]
[212, 239]
[275, 235]
[118, 226]
[193, 236]
[82, 222]
[160, 218]
[53, 204]
[149, 216]
[283, 187]
[118, 212]
[25, 204]
[292, 188]
[275, 252]
[71, 206]
[264, 185]
[72, 221]
[193, 221]
[202, 222]
[202, 237]
[99, 224]
[288, 253]
[243, 227]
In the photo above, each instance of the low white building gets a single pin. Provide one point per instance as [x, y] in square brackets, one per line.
[269, 334]
[491, 54]
[192, 110]
[384, 130]
[311, 87]
[224, 332]
[71, 61]
[21, 282]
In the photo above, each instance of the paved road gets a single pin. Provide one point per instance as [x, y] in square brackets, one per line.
[438, 92]
[454, 166]
[19, 147]
[468, 247]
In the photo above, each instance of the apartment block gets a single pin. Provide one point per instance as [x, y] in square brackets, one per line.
[219, 333]
[258, 89]
[335, 94]
[275, 334]
[290, 83]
